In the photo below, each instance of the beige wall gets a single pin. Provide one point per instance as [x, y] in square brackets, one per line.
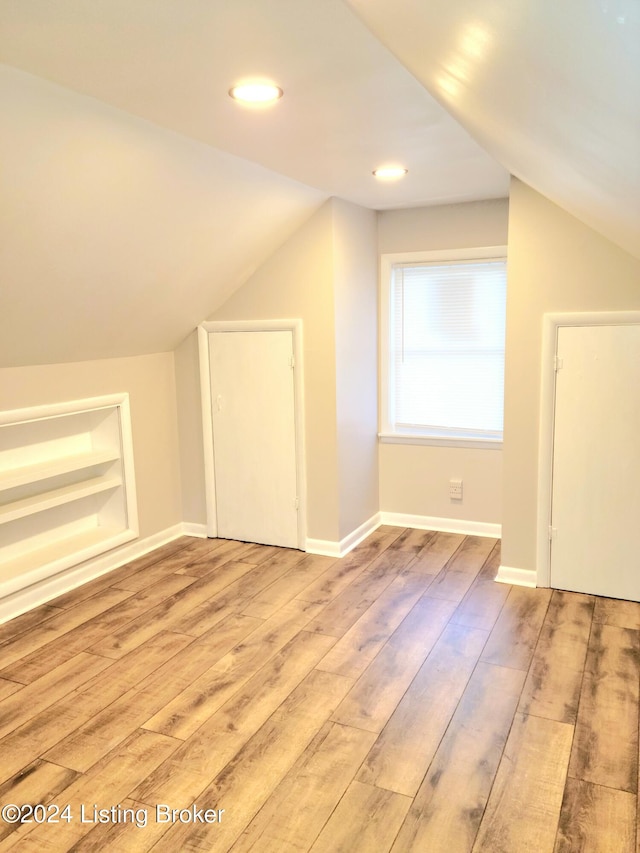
[150, 382]
[415, 479]
[555, 264]
[326, 276]
[297, 282]
[190, 430]
[447, 226]
[356, 311]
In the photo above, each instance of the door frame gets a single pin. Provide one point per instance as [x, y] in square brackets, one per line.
[205, 330]
[551, 324]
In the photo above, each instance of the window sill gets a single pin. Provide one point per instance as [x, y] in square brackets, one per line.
[440, 441]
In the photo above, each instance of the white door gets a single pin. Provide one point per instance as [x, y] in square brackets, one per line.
[595, 514]
[254, 436]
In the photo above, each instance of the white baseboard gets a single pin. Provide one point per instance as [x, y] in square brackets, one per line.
[327, 548]
[190, 528]
[444, 525]
[39, 593]
[517, 577]
[324, 547]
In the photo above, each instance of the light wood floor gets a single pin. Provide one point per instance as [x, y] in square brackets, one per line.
[395, 700]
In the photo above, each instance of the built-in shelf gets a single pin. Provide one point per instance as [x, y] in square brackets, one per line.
[67, 489]
[57, 497]
[54, 467]
[41, 563]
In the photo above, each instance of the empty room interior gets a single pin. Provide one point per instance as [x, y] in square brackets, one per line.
[319, 418]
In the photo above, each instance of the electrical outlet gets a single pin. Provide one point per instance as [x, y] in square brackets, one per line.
[455, 490]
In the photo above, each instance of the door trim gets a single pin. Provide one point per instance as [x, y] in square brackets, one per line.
[551, 324]
[204, 331]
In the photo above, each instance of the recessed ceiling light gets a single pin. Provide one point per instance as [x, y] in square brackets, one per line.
[256, 93]
[390, 173]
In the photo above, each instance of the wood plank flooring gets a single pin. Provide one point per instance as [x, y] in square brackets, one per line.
[395, 700]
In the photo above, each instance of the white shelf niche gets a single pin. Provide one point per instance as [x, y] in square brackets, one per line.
[67, 487]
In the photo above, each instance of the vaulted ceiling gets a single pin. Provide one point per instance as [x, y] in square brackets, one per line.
[550, 88]
[136, 195]
[348, 104]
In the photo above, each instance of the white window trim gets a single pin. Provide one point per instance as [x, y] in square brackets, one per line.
[387, 434]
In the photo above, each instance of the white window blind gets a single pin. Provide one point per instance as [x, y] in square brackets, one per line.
[447, 330]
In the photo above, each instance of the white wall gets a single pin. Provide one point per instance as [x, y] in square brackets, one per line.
[414, 479]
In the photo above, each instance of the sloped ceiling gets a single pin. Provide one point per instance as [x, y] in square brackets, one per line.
[136, 195]
[550, 88]
[118, 236]
[348, 106]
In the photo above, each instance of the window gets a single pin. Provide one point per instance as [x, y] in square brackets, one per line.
[444, 327]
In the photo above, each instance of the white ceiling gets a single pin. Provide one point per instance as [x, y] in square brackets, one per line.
[348, 107]
[551, 88]
[135, 195]
[119, 237]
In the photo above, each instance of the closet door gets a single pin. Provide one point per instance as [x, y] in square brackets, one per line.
[595, 516]
[254, 436]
